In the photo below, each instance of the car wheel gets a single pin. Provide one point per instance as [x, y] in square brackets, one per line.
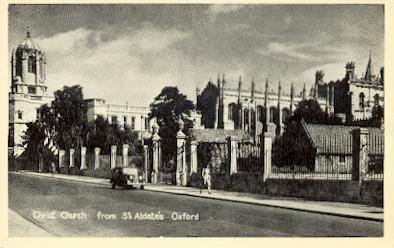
[141, 186]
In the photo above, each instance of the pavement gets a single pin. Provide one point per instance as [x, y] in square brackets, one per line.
[350, 210]
[20, 227]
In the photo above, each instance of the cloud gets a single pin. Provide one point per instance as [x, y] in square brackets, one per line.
[132, 66]
[292, 51]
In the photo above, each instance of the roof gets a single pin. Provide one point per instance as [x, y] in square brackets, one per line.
[217, 135]
[339, 139]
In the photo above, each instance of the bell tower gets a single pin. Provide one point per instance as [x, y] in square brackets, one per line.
[28, 65]
[28, 90]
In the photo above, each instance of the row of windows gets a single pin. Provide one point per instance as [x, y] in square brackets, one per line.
[114, 120]
[362, 104]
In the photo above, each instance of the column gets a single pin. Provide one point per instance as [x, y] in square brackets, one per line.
[113, 157]
[97, 158]
[83, 158]
[72, 152]
[267, 155]
[146, 161]
[40, 162]
[125, 153]
[360, 154]
[156, 151]
[193, 157]
[181, 168]
[232, 154]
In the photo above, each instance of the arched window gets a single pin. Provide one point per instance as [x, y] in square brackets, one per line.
[376, 100]
[273, 114]
[232, 109]
[31, 65]
[362, 100]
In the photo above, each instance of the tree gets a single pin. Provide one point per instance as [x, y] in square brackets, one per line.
[168, 107]
[33, 141]
[206, 104]
[70, 111]
[100, 133]
[311, 112]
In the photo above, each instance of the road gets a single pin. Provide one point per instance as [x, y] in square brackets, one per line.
[73, 209]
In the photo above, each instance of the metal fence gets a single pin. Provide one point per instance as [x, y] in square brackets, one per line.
[249, 158]
[215, 154]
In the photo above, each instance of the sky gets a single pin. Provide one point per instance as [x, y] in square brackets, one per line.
[128, 53]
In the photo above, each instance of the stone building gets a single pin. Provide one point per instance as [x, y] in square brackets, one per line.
[28, 90]
[255, 110]
[134, 116]
[356, 97]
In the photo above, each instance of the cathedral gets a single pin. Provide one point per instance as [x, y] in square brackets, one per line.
[28, 90]
[255, 110]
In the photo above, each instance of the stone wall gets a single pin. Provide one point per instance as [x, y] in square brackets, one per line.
[370, 192]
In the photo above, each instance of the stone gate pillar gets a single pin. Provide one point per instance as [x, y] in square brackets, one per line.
[232, 154]
[113, 157]
[125, 155]
[146, 161]
[83, 158]
[181, 168]
[72, 158]
[267, 147]
[97, 158]
[193, 157]
[360, 154]
[156, 140]
[61, 161]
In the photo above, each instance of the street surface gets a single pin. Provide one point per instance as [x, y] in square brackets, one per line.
[74, 209]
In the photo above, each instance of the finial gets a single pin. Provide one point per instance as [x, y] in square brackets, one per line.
[223, 77]
[28, 32]
[266, 83]
[279, 86]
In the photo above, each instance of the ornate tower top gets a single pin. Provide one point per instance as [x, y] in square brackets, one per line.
[28, 43]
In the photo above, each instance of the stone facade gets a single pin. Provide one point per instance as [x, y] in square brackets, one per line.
[134, 116]
[356, 97]
[257, 110]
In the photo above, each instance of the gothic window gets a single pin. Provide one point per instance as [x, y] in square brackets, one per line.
[376, 100]
[31, 65]
[231, 111]
[20, 115]
[273, 115]
[362, 100]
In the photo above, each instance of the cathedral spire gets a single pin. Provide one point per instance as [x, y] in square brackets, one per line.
[253, 89]
[368, 72]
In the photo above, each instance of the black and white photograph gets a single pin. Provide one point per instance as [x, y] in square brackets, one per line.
[196, 120]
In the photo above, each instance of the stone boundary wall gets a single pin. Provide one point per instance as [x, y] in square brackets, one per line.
[369, 192]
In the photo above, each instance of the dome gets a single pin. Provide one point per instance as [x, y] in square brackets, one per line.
[28, 44]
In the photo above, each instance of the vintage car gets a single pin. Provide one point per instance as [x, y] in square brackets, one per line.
[128, 176]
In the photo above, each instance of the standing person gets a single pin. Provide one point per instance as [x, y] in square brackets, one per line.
[206, 176]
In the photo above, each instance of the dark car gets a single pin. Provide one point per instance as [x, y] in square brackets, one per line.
[128, 176]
